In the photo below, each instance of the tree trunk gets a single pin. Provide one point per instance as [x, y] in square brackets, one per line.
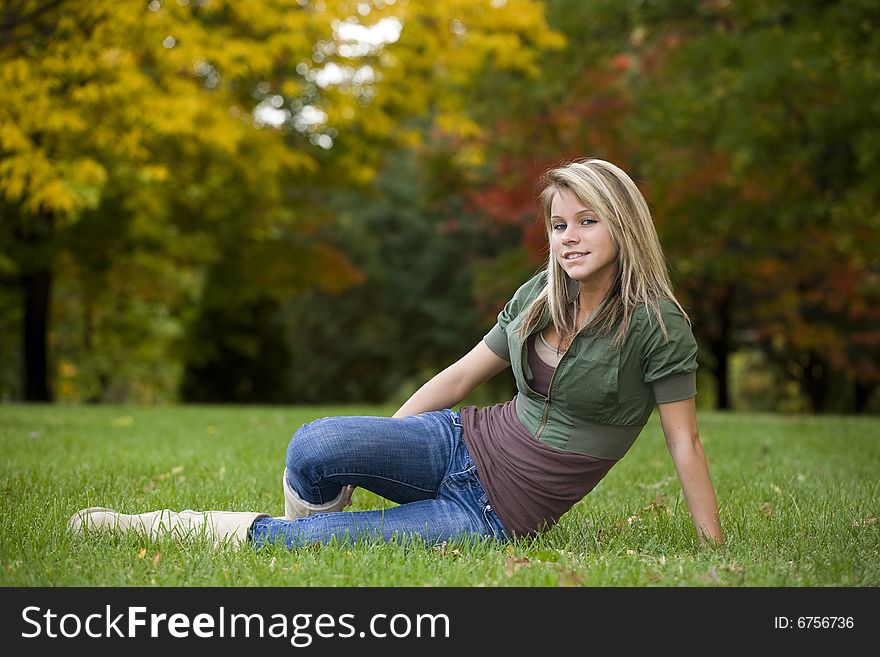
[37, 283]
[722, 364]
[37, 287]
[720, 347]
[816, 383]
[863, 394]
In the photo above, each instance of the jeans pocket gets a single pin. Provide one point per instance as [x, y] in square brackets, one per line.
[462, 479]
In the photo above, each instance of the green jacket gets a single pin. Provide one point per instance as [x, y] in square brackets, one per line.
[600, 396]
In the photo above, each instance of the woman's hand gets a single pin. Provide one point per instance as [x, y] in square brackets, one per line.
[346, 497]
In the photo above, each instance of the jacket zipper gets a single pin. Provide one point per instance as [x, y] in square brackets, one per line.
[548, 401]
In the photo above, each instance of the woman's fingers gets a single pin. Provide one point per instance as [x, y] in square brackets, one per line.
[349, 491]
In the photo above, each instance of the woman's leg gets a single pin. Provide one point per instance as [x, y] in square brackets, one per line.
[401, 459]
[419, 461]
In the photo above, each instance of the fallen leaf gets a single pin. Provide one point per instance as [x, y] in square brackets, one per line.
[656, 484]
[142, 553]
[569, 578]
[444, 550]
[767, 509]
[865, 522]
[513, 564]
[659, 503]
[156, 558]
[177, 470]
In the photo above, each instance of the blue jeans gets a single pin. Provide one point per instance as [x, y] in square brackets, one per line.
[419, 462]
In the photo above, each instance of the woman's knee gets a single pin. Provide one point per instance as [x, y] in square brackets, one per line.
[311, 444]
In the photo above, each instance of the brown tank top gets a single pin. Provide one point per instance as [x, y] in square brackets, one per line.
[529, 484]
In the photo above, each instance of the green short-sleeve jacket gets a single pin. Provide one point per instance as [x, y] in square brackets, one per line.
[600, 396]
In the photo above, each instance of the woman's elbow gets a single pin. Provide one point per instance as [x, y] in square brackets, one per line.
[685, 445]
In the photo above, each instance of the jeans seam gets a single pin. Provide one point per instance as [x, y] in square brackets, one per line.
[371, 476]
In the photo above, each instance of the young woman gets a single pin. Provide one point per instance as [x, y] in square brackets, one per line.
[595, 340]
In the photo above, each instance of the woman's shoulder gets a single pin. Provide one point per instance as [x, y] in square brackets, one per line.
[674, 320]
[646, 313]
[531, 288]
[668, 348]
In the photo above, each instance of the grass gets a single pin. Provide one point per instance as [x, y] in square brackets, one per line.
[798, 499]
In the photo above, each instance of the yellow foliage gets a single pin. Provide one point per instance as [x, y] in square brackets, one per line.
[146, 90]
[458, 125]
[52, 196]
[154, 173]
[12, 138]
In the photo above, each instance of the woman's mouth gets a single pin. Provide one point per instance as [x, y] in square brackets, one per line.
[573, 255]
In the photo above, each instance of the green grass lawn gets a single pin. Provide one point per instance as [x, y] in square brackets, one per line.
[798, 498]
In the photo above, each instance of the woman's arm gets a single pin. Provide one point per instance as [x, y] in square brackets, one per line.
[454, 383]
[679, 420]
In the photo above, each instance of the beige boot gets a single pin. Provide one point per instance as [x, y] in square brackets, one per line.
[296, 507]
[218, 527]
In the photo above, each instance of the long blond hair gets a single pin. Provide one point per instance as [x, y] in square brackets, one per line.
[640, 276]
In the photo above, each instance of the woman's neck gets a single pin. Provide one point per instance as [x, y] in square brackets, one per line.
[590, 297]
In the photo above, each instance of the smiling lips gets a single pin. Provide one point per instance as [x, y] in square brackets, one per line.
[574, 255]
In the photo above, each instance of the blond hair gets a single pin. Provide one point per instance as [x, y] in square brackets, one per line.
[640, 275]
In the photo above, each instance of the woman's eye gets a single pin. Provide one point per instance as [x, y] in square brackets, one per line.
[588, 221]
[558, 226]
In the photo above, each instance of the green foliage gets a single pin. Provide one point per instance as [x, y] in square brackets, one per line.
[749, 126]
[413, 312]
[205, 187]
[237, 355]
[188, 137]
[757, 117]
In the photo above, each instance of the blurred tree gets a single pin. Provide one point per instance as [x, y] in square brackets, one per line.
[413, 313]
[759, 132]
[178, 134]
[753, 126]
[575, 108]
[161, 127]
[176, 178]
[379, 102]
[113, 117]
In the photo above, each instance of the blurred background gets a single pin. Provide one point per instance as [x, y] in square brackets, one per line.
[312, 201]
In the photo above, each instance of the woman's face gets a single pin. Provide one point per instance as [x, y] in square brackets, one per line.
[581, 242]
